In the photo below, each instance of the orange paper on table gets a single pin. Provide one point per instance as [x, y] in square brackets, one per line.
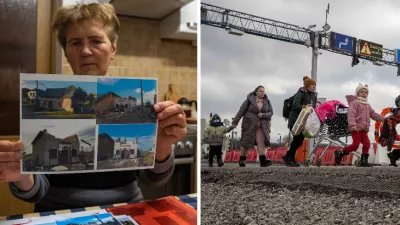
[165, 211]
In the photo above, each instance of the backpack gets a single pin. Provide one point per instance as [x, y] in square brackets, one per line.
[287, 107]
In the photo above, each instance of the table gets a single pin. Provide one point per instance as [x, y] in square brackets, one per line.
[190, 199]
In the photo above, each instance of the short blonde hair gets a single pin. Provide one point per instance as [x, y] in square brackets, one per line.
[75, 14]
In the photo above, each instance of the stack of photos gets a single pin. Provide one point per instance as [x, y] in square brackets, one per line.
[75, 124]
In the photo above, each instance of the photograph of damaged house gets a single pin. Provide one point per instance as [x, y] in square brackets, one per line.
[57, 99]
[126, 146]
[126, 101]
[52, 146]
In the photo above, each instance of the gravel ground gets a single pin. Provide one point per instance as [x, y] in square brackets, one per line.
[281, 195]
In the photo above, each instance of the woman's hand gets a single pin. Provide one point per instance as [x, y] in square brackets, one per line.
[10, 156]
[260, 115]
[171, 127]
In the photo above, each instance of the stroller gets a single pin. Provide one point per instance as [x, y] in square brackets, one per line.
[334, 128]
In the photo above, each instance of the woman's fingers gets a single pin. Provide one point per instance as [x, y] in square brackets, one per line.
[176, 131]
[162, 105]
[8, 146]
[170, 111]
[177, 119]
[10, 156]
[10, 175]
[9, 165]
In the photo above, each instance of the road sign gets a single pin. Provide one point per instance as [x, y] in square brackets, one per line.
[397, 52]
[342, 42]
[371, 49]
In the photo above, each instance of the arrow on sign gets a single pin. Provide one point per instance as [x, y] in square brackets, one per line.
[346, 42]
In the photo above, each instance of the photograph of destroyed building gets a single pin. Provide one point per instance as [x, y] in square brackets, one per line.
[126, 146]
[44, 99]
[58, 146]
[126, 101]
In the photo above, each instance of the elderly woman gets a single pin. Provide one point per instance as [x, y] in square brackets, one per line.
[88, 35]
[257, 112]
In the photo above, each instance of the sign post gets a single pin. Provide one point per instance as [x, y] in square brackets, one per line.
[397, 56]
[371, 49]
[342, 42]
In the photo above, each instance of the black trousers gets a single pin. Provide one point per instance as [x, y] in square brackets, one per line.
[296, 143]
[215, 150]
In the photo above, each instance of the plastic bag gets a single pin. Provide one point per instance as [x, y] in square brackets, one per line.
[299, 124]
[312, 125]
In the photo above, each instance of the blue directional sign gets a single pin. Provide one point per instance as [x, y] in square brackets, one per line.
[342, 42]
[397, 52]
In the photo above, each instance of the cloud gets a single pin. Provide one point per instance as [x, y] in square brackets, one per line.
[107, 81]
[233, 66]
[138, 90]
[148, 96]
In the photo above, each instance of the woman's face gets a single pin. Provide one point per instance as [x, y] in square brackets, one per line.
[311, 88]
[89, 51]
[260, 92]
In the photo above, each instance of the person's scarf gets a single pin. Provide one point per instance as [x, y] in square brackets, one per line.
[362, 100]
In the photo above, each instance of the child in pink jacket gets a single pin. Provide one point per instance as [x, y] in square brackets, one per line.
[359, 115]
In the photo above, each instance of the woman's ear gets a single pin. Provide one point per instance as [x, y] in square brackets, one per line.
[113, 50]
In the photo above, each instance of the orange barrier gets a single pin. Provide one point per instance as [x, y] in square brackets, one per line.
[236, 156]
[329, 157]
[347, 160]
[271, 154]
[251, 156]
[302, 151]
[228, 156]
[278, 155]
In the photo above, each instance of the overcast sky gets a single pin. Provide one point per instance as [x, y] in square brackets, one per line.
[232, 66]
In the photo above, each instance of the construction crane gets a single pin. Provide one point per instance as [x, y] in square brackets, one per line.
[239, 23]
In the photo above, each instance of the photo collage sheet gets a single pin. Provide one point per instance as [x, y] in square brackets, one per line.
[78, 124]
[100, 216]
[168, 210]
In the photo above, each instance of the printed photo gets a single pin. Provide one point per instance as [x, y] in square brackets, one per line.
[126, 220]
[126, 146]
[46, 99]
[105, 219]
[58, 145]
[126, 101]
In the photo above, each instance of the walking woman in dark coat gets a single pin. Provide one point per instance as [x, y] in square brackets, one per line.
[257, 112]
[304, 96]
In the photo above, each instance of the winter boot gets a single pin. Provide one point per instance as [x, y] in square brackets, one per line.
[264, 161]
[290, 162]
[339, 154]
[210, 162]
[242, 161]
[394, 156]
[220, 162]
[392, 159]
[364, 161]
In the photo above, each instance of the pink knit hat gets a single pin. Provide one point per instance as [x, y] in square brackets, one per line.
[360, 86]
